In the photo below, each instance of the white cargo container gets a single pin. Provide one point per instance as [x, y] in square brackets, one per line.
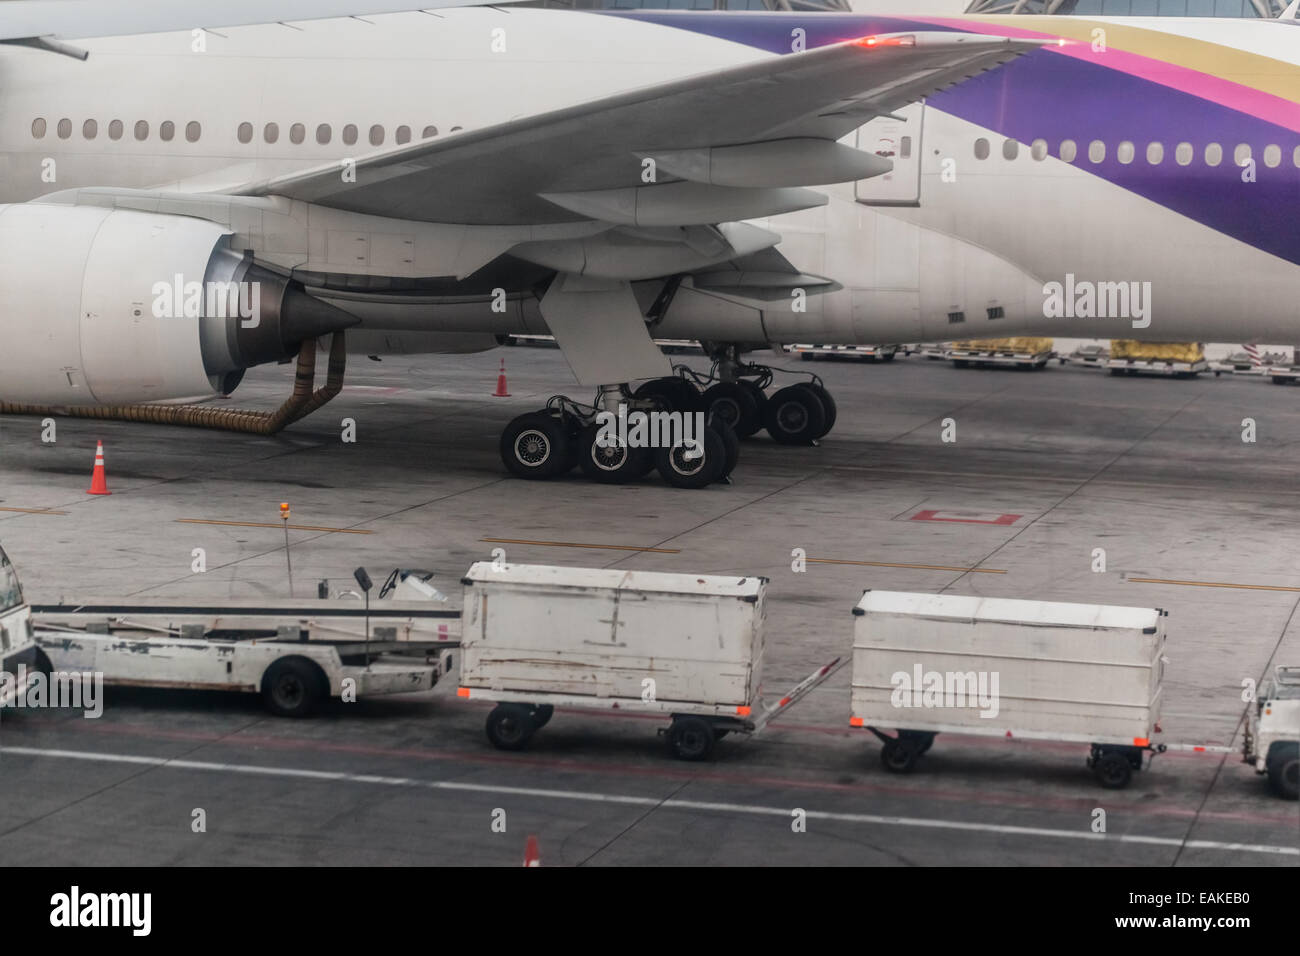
[927, 663]
[534, 636]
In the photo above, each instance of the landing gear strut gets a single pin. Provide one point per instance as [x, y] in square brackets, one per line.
[688, 451]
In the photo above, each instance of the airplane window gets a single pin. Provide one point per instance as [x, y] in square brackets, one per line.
[1068, 150]
[38, 128]
[1213, 154]
[955, 317]
[376, 135]
[297, 133]
[349, 134]
[1295, 157]
[1241, 154]
[271, 132]
[403, 134]
[1038, 149]
[1155, 153]
[1124, 152]
[981, 148]
[1183, 154]
[90, 129]
[457, 129]
[141, 130]
[429, 132]
[323, 133]
[1272, 155]
[1097, 151]
[193, 131]
[167, 130]
[245, 132]
[115, 129]
[1010, 149]
[65, 128]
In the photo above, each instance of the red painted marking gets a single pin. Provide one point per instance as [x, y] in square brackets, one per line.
[934, 515]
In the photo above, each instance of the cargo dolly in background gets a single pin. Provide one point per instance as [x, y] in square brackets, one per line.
[685, 645]
[1022, 352]
[1167, 359]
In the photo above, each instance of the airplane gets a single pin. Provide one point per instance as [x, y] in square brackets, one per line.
[432, 179]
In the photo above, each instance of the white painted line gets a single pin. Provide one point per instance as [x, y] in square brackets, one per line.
[620, 799]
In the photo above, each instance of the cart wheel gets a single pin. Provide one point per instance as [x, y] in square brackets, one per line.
[541, 716]
[1113, 770]
[510, 726]
[691, 738]
[899, 755]
[1284, 770]
[720, 732]
[292, 687]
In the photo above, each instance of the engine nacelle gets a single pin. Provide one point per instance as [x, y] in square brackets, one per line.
[105, 306]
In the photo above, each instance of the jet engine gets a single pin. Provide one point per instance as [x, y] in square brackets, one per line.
[111, 306]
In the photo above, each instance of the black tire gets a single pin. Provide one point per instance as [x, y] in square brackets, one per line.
[1113, 770]
[536, 446]
[510, 726]
[923, 740]
[760, 405]
[1116, 371]
[794, 416]
[691, 738]
[1284, 770]
[542, 716]
[960, 363]
[828, 403]
[888, 356]
[735, 404]
[615, 465]
[695, 471]
[1274, 379]
[731, 446]
[674, 392]
[899, 755]
[293, 687]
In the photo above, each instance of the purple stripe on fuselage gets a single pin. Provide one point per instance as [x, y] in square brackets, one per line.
[1044, 95]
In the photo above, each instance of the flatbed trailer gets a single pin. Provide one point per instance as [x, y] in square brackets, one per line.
[684, 645]
[866, 353]
[294, 654]
[967, 358]
[1168, 368]
[1283, 374]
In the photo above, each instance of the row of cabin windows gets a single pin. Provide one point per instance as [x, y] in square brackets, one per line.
[193, 131]
[1126, 152]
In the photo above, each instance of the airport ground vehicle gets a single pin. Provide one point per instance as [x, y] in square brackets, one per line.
[929, 663]
[869, 353]
[1272, 739]
[294, 654]
[689, 646]
[1169, 359]
[1089, 356]
[17, 640]
[1021, 352]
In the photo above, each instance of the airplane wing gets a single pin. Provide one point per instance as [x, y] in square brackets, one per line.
[753, 124]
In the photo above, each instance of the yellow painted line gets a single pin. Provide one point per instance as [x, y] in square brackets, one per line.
[574, 544]
[918, 567]
[34, 511]
[1214, 584]
[272, 524]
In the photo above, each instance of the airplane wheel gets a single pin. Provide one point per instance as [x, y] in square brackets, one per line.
[612, 465]
[795, 416]
[536, 445]
[683, 467]
[760, 404]
[735, 404]
[731, 444]
[827, 402]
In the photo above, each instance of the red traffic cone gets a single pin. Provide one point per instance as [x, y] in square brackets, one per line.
[502, 391]
[98, 486]
[532, 853]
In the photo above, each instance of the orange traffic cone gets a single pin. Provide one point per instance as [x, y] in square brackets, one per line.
[98, 486]
[502, 391]
[532, 853]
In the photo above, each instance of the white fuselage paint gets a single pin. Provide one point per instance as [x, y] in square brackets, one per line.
[993, 238]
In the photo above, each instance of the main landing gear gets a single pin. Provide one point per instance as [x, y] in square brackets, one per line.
[736, 392]
[566, 434]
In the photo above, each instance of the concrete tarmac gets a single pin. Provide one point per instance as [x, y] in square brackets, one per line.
[1046, 468]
